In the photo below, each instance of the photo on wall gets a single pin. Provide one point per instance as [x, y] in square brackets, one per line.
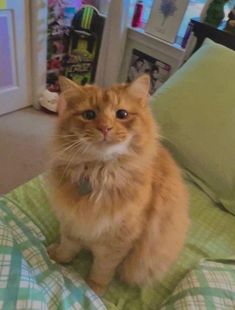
[141, 63]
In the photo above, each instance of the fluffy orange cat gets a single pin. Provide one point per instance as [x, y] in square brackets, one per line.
[115, 189]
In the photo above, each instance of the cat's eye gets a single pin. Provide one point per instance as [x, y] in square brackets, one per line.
[89, 114]
[122, 114]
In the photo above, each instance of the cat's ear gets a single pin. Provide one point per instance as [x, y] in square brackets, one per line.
[139, 88]
[67, 84]
[67, 87]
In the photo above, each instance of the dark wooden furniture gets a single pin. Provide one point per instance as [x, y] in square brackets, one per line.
[203, 30]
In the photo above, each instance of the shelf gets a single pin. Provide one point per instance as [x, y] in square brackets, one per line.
[140, 36]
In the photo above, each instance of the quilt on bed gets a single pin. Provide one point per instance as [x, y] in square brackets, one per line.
[29, 225]
[210, 285]
[28, 279]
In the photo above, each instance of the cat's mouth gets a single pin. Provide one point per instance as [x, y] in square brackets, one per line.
[106, 140]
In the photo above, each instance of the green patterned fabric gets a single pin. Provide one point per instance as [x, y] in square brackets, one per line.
[28, 278]
[211, 285]
[211, 236]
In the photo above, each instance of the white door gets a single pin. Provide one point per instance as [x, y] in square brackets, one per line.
[14, 55]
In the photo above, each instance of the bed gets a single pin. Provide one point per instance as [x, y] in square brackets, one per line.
[196, 111]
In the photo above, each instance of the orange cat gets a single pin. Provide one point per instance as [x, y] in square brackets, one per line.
[115, 189]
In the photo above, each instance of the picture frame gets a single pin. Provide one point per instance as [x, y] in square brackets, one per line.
[141, 63]
[165, 18]
[171, 54]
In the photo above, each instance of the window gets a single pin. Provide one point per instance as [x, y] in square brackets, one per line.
[194, 10]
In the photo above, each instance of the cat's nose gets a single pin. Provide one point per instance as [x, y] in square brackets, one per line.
[104, 129]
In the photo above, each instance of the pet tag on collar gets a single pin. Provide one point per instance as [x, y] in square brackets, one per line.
[84, 186]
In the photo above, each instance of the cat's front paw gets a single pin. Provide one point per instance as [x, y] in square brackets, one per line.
[99, 289]
[56, 253]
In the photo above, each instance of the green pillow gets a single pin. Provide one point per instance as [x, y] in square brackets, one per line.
[196, 111]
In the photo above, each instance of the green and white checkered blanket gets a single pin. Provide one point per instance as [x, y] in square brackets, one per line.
[28, 278]
[209, 286]
[26, 212]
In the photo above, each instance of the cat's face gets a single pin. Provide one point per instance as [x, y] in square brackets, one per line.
[103, 123]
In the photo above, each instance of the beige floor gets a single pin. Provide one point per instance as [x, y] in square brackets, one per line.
[24, 139]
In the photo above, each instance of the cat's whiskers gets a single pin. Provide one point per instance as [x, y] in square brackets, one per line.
[66, 169]
[60, 153]
[71, 160]
[78, 147]
[162, 138]
[65, 136]
[70, 146]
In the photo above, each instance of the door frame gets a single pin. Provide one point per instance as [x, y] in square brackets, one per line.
[38, 27]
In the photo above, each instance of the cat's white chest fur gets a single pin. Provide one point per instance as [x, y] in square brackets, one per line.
[108, 152]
